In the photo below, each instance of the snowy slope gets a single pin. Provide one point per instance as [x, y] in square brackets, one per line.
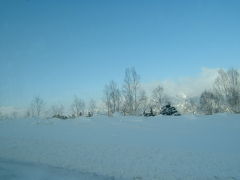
[185, 147]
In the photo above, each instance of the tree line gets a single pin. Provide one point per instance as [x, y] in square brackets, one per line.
[225, 94]
[131, 99]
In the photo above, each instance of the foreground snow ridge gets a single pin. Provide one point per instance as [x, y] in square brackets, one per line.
[127, 148]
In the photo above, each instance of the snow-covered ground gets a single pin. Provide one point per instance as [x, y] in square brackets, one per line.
[128, 148]
[15, 170]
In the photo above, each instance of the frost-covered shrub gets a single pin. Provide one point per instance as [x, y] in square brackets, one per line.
[151, 113]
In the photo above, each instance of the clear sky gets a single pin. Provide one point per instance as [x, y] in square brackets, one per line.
[61, 48]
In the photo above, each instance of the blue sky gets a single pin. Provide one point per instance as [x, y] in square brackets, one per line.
[57, 49]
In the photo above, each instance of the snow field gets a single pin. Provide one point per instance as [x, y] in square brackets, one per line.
[184, 147]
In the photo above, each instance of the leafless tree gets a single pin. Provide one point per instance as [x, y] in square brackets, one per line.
[142, 102]
[92, 106]
[1, 116]
[189, 105]
[78, 106]
[131, 89]
[209, 102]
[57, 110]
[37, 106]
[112, 97]
[128, 92]
[28, 113]
[158, 98]
[14, 114]
[135, 86]
[115, 96]
[227, 86]
[107, 99]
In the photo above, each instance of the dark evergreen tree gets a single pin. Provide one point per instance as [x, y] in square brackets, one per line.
[169, 110]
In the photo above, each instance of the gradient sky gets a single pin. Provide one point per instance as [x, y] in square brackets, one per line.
[57, 48]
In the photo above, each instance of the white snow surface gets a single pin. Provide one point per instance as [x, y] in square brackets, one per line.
[127, 148]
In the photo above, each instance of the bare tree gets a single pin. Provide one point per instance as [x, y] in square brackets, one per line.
[128, 92]
[131, 88]
[14, 114]
[227, 86]
[135, 86]
[158, 98]
[209, 102]
[189, 105]
[112, 97]
[28, 113]
[107, 99]
[92, 106]
[36, 107]
[115, 96]
[57, 110]
[142, 102]
[78, 107]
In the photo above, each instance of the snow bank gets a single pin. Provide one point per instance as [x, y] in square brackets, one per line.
[185, 147]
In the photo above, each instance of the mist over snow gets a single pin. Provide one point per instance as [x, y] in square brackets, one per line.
[12, 112]
[184, 87]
